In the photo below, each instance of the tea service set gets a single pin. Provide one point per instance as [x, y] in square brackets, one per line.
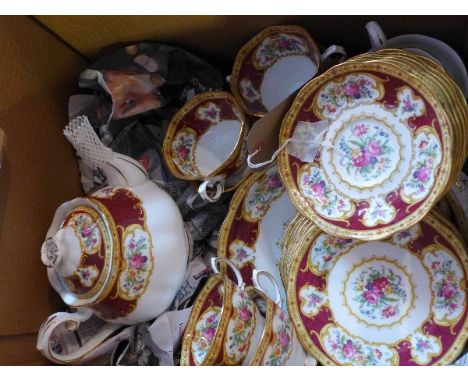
[359, 215]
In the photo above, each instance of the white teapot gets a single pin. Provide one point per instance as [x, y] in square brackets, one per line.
[120, 253]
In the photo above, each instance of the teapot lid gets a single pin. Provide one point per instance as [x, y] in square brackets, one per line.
[78, 251]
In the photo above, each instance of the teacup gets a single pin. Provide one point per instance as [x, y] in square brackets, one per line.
[274, 64]
[222, 331]
[279, 345]
[426, 46]
[205, 141]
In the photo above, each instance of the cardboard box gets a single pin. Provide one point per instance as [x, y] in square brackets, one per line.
[41, 60]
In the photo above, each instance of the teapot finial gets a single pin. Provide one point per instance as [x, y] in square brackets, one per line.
[50, 254]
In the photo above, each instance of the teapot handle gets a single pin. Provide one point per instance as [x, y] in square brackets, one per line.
[72, 322]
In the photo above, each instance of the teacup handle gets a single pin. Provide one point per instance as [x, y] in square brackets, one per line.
[255, 275]
[376, 35]
[214, 266]
[72, 322]
[210, 183]
[333, 49]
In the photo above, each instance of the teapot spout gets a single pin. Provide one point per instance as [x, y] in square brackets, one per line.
[120, 170]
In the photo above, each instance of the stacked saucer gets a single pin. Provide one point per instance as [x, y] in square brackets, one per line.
[394, 145]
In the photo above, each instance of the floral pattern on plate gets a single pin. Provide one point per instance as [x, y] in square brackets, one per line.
[240, 327]
[279, 349]
[446, 278]
[248, 91]
[278, 46]
[428, 156]
[205, 331]
[240, 253]
[348, 350]
[353, 90]
[210, 112]
[325, 250]
[367, 152]
[183, 149]
[380, 292]
[138, 262]
[262, 194]
[424, 348]
[379, 212]
[409, 105]
[326, 201]
[87, 231]
[403, 238]
[87, 275]
[311, 300]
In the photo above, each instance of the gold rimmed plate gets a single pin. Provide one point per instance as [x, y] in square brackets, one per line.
[386, 156]
[400, 301]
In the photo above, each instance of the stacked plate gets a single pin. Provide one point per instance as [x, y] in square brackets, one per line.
[395, 143]
[400, 301]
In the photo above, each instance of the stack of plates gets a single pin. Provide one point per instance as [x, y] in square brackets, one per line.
[395, 144]
[400, 301]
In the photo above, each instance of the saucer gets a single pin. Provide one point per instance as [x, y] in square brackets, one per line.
[400, 301]
[273, 65]
[386, 156]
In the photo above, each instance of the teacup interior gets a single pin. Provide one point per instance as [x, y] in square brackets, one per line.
[283, 78]
[216, 145]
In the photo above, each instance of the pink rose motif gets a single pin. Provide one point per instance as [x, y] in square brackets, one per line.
[274, 182]
[182, 151]
[448, 291]
[408, 105]
[373, 149]
[87, 230]
[423, 143]
[349, 350]
[209, 333]
[435, 265]
[210, 319]
[339, 91]
[352, 90]
[318, 189]
[453, 306]
[212, 113]
[389, 311]
[245, 314]
[284, 44]
[331, 108]
[422, 174]
[283, 339]
[138, 260]
[85, 274]
[363, 82]
[378, 353]
[131, 245]
[361, 161]
[360, 129]
[371, 296]
[380, 283]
